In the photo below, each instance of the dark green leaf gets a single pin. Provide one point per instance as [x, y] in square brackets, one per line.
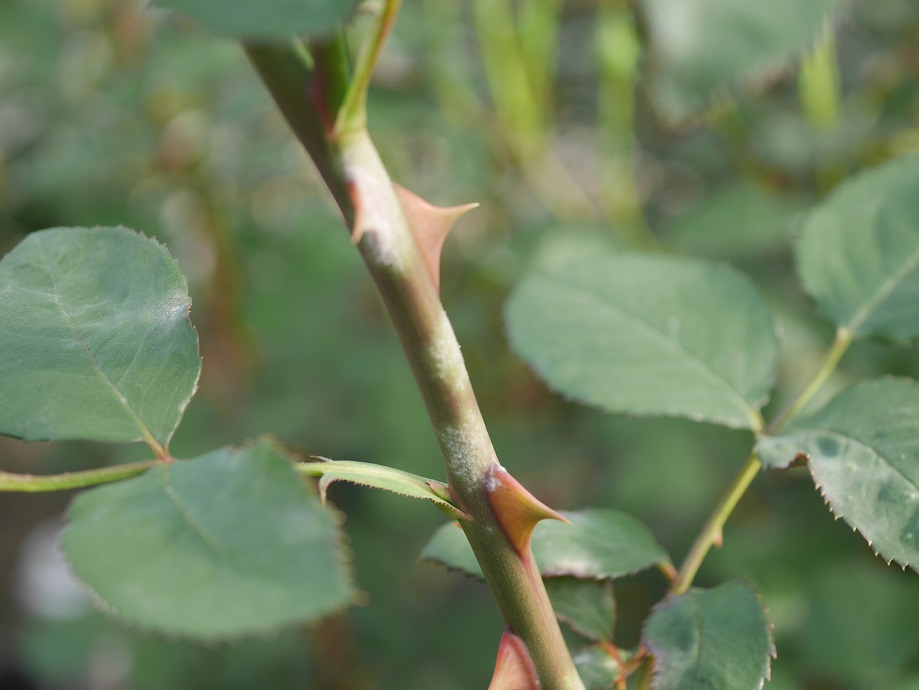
[863, 453]
[643, 334]
[702, 48]
[710, 640]
[227, 544]
[95, 337]
[600, 544]
[858, 255]
[265, 18]
[587, 606]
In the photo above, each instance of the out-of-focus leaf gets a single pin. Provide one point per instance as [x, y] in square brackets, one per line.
[95, 338]
[227, 544]
[702, 48]
[598, 670]
[599, 544]
[710, 640]
[587, 606]
[265, 18]
[863, 453]
[740, 220]
[858, 255]
[647, 334]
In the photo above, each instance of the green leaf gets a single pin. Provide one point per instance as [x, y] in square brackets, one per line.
[599, 544]
[700, 49]
[265, 18]
[863, 453]
[230, 543]
[96, 339]
[858, 255]
[587, 606]
[597, 669]
[379, 477]
[646, 334]
[710, 640]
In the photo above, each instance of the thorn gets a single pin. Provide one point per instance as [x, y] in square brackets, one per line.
[514, 668]
[516, 509]
[430, 226]
[718, 539]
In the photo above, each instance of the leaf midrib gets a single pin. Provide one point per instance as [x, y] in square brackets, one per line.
[749, 412]
[885, 289]
[146, 434]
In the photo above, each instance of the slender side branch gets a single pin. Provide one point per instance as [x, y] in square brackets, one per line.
[711, 533]
[839, 348]
[34, 483]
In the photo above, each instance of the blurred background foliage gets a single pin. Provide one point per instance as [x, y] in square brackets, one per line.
[110, 114]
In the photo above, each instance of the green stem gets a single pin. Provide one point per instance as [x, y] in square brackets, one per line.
[353, 112]
[818, 83]
[377, 223]
[830, 362]
[618, 51]
[711, 533]
[32, 483]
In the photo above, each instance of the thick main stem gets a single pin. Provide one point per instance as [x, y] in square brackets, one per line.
[364, 193]
[434, 354]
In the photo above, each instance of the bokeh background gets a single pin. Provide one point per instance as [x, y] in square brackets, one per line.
[113, 115]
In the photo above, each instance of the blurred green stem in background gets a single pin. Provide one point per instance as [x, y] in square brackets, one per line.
[618, 50]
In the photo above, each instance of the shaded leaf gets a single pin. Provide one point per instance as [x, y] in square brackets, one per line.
[229, 543]
[599, 544]
[95, 337]
[378, 477]
[710, 640]
[265, 18]
[754, 41]
[587, 606]
[863, 453]
[643, 334]
[858, 255]
[598, 670]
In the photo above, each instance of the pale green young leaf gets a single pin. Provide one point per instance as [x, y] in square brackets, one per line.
[646, 334]
[265, 19]
[701, 49]
[598, 544]
[95, 338]
[858, 254]
[378, 477]
[862, 450]
[710, 640]
[227, 544]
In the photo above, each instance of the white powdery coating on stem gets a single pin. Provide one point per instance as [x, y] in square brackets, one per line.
[466, 452]
[380, 216]
[447, 357]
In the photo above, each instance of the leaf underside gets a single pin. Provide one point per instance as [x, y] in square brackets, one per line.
[95, 336]
[230, 543]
